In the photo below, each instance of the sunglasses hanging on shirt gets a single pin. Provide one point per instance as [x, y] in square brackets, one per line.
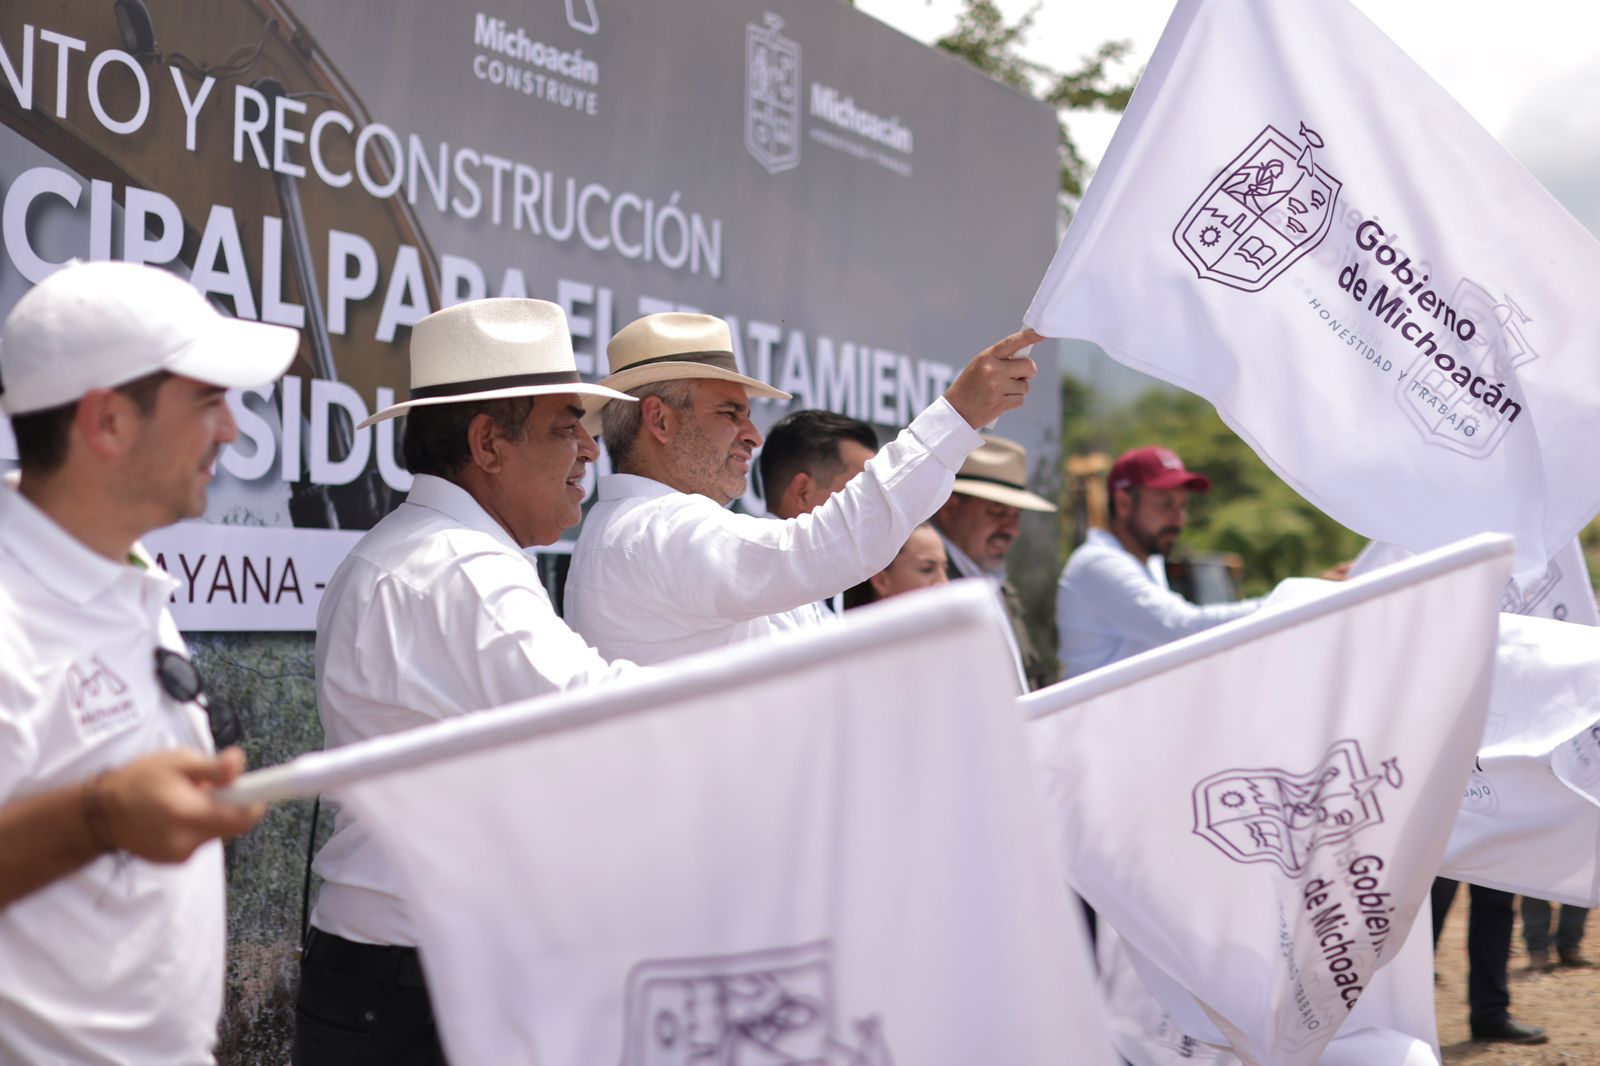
[180, 680]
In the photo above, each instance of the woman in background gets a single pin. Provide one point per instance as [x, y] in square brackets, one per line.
[921, 564]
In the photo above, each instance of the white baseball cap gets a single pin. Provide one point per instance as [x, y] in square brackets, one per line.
[100, 325]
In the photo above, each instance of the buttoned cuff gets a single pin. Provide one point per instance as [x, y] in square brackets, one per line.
[945, 434]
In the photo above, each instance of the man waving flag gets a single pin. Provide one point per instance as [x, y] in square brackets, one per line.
[1295, 222]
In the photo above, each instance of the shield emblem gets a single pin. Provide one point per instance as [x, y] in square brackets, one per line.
[772, 96]
[1271, 815]
[1268, 207]
[758, 1008]
[1442, 409]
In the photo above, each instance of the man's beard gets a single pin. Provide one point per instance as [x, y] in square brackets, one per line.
[1151, 544]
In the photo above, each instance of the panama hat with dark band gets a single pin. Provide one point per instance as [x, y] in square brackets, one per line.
[675, 345]
[998, 472]
[494, 349]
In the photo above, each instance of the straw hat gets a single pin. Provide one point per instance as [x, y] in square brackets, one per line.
[675, 345]
[998, 471]
[491, 350]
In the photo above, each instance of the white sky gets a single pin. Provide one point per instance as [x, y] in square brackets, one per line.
[1528, 70]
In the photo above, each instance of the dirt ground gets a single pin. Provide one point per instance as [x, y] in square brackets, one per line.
[1566, 1002]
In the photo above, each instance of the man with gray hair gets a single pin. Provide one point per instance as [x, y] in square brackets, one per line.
[663, 569]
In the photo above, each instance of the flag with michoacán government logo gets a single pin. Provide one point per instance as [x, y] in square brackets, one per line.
[1295, 222]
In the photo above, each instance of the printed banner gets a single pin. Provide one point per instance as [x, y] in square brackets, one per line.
[345, 167]
[1392, 312]
[828, 851]
[1271, 850]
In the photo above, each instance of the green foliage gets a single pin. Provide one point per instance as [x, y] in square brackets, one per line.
[1078, 428]
[983, 38]
[1249, 510]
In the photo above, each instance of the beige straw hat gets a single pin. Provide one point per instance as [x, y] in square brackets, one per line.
[494, 349]
[674, 345]
[998, 471]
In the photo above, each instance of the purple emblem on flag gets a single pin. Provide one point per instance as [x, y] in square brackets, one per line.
[1452, 413]
[1268, 207]
[757, 1008]
[1272, 815]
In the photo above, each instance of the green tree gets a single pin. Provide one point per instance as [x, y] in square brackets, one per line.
[984, 39]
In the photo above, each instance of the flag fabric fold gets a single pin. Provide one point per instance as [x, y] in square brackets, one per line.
[1392, 312]
[1392, 1025]
[828, 851]
[1530, 815]
[1260, 810]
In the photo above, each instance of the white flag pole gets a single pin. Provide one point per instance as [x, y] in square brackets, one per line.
[893, 622]
[1444, 560]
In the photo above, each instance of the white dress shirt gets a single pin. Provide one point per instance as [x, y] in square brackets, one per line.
[1109, 606]
[120, 962]
[435, 613]
[804, 616]
[658, 573]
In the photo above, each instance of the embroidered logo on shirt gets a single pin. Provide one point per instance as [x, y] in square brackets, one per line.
[98, 699]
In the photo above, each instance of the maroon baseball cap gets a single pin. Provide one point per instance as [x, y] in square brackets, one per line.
[1154, 468]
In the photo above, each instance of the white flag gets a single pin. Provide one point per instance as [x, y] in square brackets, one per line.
[1298, 224]
[1530, 814]
[827, 850]
[1393, 1025]
[1563, 592]
[1260, 809]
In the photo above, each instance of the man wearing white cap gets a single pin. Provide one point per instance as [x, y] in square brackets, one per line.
[662, 569]
[979, 524]
[438, 612]
[111, 887]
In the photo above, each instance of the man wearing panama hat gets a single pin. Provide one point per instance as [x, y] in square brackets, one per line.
[978, 525]
[663, 569]
[439, 612]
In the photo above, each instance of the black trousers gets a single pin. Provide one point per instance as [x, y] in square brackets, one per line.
[363, 1005]
[1489, 920]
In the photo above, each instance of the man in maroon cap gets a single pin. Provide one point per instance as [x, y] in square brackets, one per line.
[1113, 600]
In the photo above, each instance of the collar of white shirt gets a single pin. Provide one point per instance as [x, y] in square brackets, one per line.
[1155, 566]
[457, 504]
[61, 562]
[630, 486]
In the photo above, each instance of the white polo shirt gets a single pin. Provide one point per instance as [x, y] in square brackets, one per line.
[1109, 606]
[435, 613]
[120, 962]
[658, 573]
